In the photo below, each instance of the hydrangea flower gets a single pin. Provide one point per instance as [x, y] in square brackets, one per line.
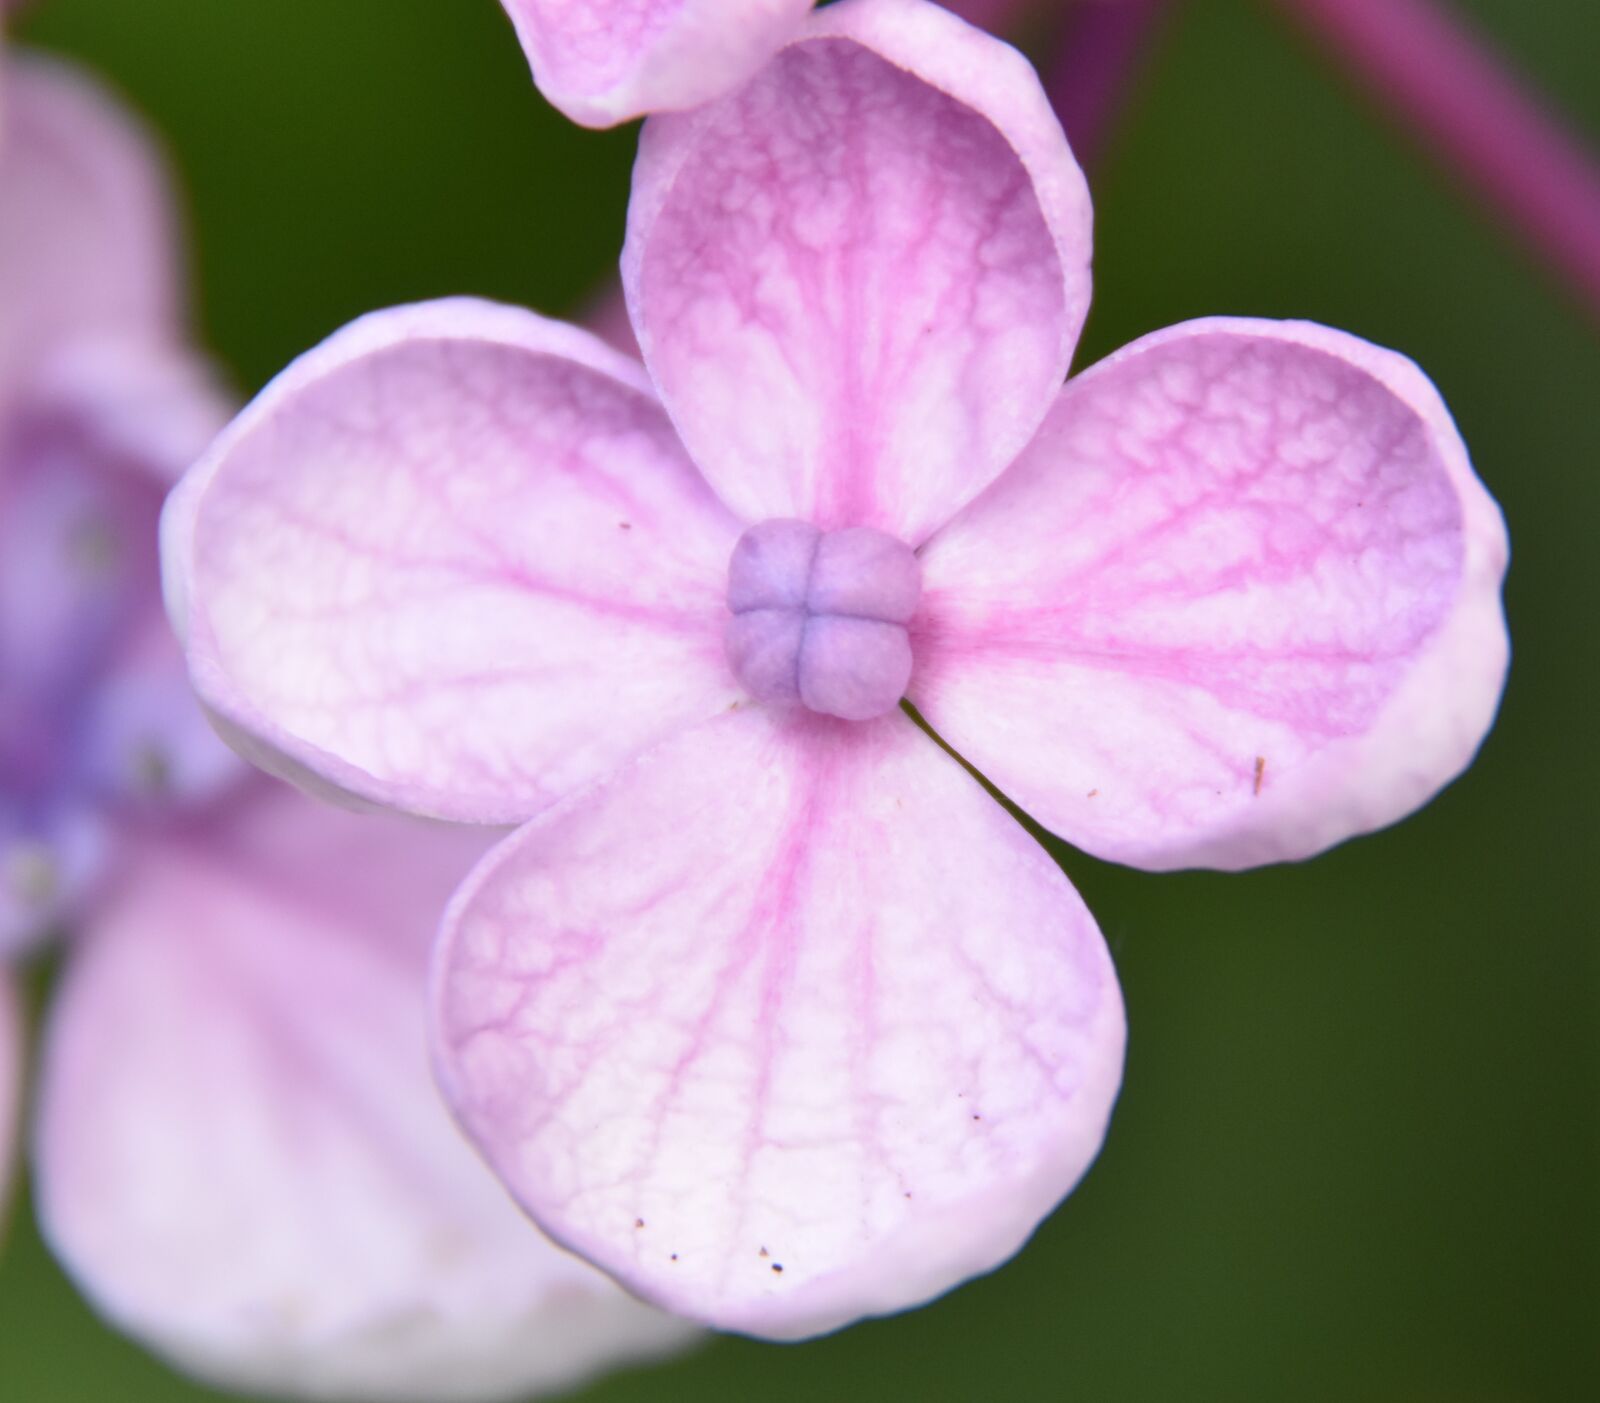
[769, 1009]
[241, 1157]
[604, 61]
[240, 1154]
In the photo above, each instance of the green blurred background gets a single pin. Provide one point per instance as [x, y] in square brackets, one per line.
[1358, 1151]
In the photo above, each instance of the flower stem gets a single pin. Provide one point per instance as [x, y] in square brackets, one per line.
[1103, 43]
[1496, 136]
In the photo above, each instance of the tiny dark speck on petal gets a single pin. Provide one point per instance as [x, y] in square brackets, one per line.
[674, 1256]
[777, 1266]
[1261, 769]
[765, 1253]
[638, 1222]
[1093, 792]
[624, 526]
[977, 1117]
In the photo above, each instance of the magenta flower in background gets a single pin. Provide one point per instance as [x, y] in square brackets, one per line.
[769, 1009]
[240, 1154]
[602, 62]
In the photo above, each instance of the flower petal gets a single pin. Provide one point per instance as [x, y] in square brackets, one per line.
[10, 1085]
[786, 1024]
[144, 743]
[86, 237]
[858, 280]
[76, 565]
[1239, 601]
[453, 560]
[604, 61]
[54, 852]
[241, 1157]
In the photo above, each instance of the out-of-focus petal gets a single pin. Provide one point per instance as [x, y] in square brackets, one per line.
[53, 854]
[86, 238]
[1239, 600]
[143, 741]
[240, 1155]
[786, 1024]
[604, 61]
[142, 404]
[453, 561]
[858, 280]
[76, 563]
[10, 1085]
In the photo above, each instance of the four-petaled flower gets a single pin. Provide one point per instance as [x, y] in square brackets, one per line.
[769, 1009]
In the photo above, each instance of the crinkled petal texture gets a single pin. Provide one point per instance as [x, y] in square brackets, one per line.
[604, 61]
[785, 1024]
[1238, 601]
[86, 239]
[242, 1159]
[858, 280]
[453, 561]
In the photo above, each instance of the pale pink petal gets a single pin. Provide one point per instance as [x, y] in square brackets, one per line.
[858, 281]
[785, 1024]
[86, 238]
[241, 1157]
[1238, 601]
[604, 61]
[10, 1086]
[453, 560]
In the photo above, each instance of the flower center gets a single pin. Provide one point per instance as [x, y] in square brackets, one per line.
[819, 617]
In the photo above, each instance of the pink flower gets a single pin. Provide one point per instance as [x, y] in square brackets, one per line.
[101, 405]
[775, 1015]
[604, 61]
[240, 1155]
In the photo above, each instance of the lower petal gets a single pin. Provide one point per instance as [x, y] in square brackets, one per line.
[241, 1158]
[784, 1025]
[1238, 601]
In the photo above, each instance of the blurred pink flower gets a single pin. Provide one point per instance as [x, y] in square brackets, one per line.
[101, 406]
[241, 1157]
[604, 61]
[777, 1016]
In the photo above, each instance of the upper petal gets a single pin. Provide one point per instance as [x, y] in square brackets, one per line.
[86, 238]
[858, 280]
[783, 1025]
[241, 1157]
[604, 61]
[452, 560]
[1239, 600]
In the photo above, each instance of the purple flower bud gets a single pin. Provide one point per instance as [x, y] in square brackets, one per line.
[820, 618]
